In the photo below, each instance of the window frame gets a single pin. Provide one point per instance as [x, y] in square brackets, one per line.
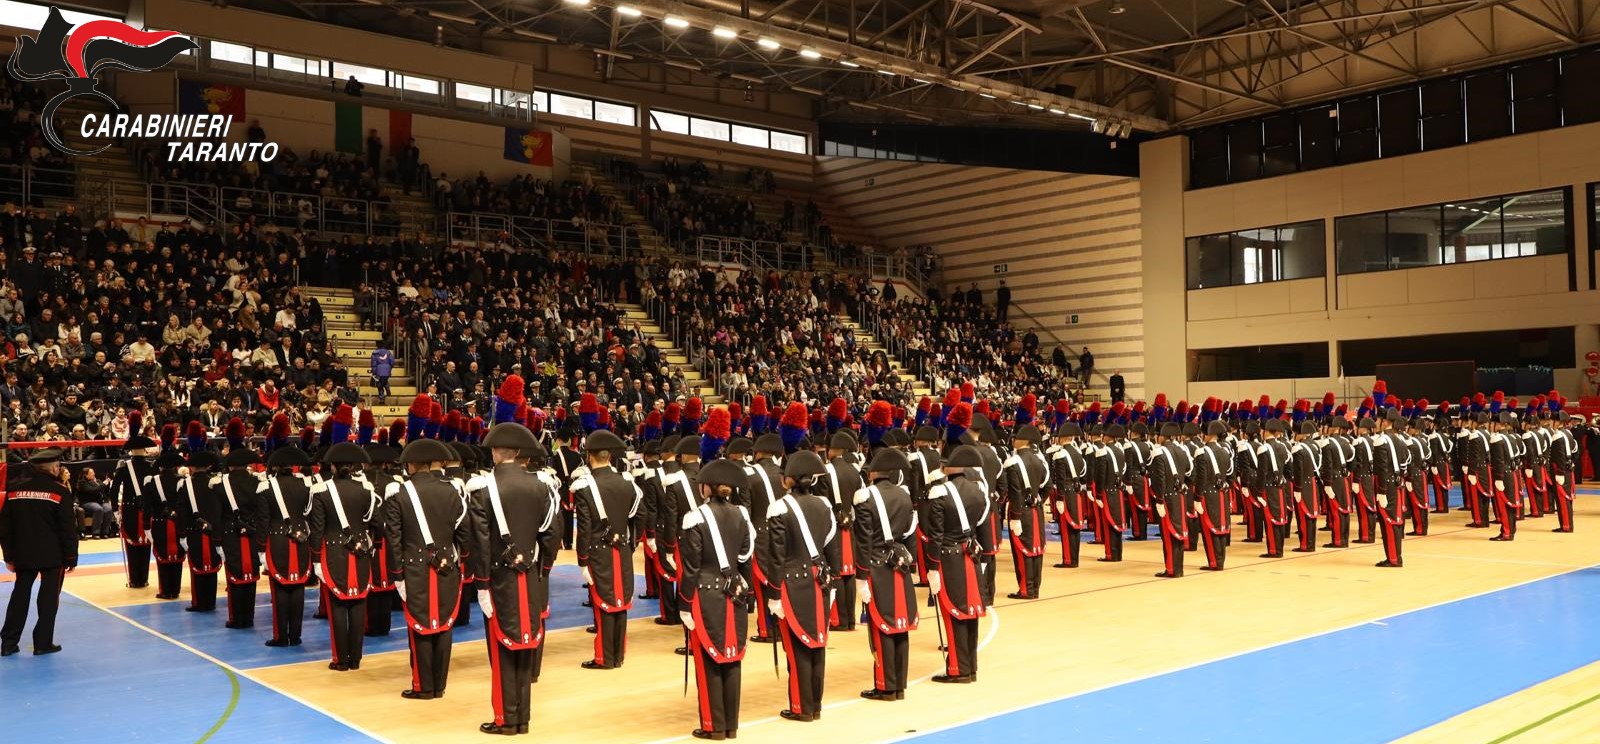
[1270, 261]
[1497, 251]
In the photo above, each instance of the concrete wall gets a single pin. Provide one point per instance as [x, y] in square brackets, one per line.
[1070, 244]
[1506, 294]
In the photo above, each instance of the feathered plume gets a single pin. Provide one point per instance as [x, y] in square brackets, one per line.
[450, 430]
[325, 434]
[234, 431]
[792, 426]
[169, 437]
[397, 432]
[951, 398]
[1092, 415]
[880, 416]
[1158, 410]
[589, 412]
[1027, 409]
[343, 417]
[1366, 408]
[277, 433]
[435, 420]
[651, 428]
[308, 437]
[1497, 402]
[898, 418]
[135, 423]
[957, 422]
[605, 419]
[1380, 393]
[1302, 408]
[365, 425]
[670, 419]
[837, 411]
[759, 415]
[923, 407]
[736, 415]
[715, 433]
[1063, 410]
[1328, 402]
[194, 436]
[512, 393]
[969, 392]
[1264, 408]
[693, 412]
[417, 416]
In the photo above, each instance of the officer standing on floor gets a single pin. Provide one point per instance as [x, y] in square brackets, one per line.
[1169, 470]
[425, 519]
[716, 545]
[840, 480]
[1213, 466]
[677, 496]
[381, 474]
[1022, 484]
[343, 508]
[1337, 453]
[241, 532]
[607, 505]
[1389, 459]
[804, 563]
[1110, 462]
[1068, 468]
[38, 543]
[202, 509]
[958, 509]
[1305, 463]
[765, 488]
[1273, 463]
[127, 488]
[516, 536]
[885, 534]
[288, 499]
[166, 526]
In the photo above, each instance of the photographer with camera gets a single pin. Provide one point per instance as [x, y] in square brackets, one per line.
[716, 545]
[343, 507]
[803, 555]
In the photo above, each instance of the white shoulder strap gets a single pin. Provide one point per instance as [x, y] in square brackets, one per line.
[805, 528]
[961, 509]
[422, 518]
[227, 490]
[188, 487]
[278, 495]
[716, 537]
[338, 506]
[499, 509]
[133, 478]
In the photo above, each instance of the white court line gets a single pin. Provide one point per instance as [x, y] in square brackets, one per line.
[1308, 636]
[994, 629]
[240, 672]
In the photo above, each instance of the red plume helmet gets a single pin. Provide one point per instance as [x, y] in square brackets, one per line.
[951, 397]
[795, 415]
[838, 409]
[421, 406]
[279, 429]
[694, 409]
[169, 435]
[881, 413]
[960, 415]
[674, 412]
[758, 406]
[511, 390]
[1063, 406]
[588, 404]
[344, 414]
[1030, 403]
[982, 408]
[968, 390]
[718, 423]
[653, 420]
[1161, 400]
[924, 404]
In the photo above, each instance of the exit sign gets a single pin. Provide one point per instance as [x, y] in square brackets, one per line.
[1001, 268]
[1072, 319]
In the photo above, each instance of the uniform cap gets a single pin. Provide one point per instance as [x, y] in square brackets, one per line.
[605, 441]
[888, 460]
[687, 446]
[801, 464]
[964, 457]
[841, 440]
[721, 473]
[287, 457]
[1027, 433]
[1069, 429]
[510, 435]
[417, 451]
[741, 446]
[345, 453]
[239, 457]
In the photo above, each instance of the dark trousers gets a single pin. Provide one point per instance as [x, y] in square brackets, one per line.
[986, 586]
[169, 579]
[464, 608]
[1505, 512]
[382, 383]
[1112, 539]
[806, 667]
[611, 636]
[242, 605]
[1137, 519]
[1028, 569]
[843, 616]
[1418, 498]
[1071, 544]
[202, 591]
[347, 623]
[891, 652]
[1253, 520]
[430, 661]
[44, 629]
[1339, 525]
[766, 622]
[961, 658]
[288, 610]
[1306, 526]
[379, 619]
[1216, 547]
[669, 600]
[1276, 534]
[718, 686]
[510, 679]
[137, 558]
[1392, 534]
[1172, 546]
[1563, 506]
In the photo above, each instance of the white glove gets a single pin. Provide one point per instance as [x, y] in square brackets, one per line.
[687, 618]
[1473, 479]
[1435, 471]
[1015, 526]
[1355, 487]
[775, 606]
[935, 582]
[400, 589]
[1127, 489]
[864, 590]
[587, 579]
[486, 602]
[1383, 501]
[1200, 507]
[1561, 480]
[1409, 487]
[1499, 485]
[666, 562]
[1327, 491]
[1527, 472]
[1244, 491]
[149, 538]
[650, 543]
[1161, 510]
[183, 542]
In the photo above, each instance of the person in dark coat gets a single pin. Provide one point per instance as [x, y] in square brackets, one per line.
[804, 562]
[127, 495]
[166, 524]
[241, 533]
[288, 555]
[425, 522]
[202, 509]
[716, 544]
[1022, 482]
[885, 525]
[841, 479]
[343, 507]
[38, 543]
[607, 506]
[957, 510]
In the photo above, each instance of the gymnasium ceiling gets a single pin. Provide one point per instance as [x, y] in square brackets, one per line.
[1154, 64]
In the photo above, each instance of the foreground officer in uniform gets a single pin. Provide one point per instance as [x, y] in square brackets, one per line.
[166, 526]
[885, 533]
[202, 511]
[343, 509]
[425, 521]
[1213, 466]
[1022, 484]
[288, 498]
[1067, 471]
[804, 558]
[1169, 469]
[716, 545]
[958, 510]
[243, 524]
[607, 505]
[38, 542]
[127, 488]
[840, 481]
[516, 536]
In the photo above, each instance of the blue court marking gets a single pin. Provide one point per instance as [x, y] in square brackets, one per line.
[245, 649]
[115, 682]
[87, 559]
[1374, 682]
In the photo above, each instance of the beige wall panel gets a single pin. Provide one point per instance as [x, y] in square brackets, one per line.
[1207, 211]
[1441, 284]
[1307, 295]
[1374, 186]
[1433, 177]
[1214, 304]
[1503, 166]
[1266, 198]
[1375, 289]
[1310, 196]
[1271, 298]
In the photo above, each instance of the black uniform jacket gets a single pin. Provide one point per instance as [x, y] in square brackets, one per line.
[607, 504]
[344, 549]
[513, 555]
[797, 525]
[431, 572]
[709, 586]
[289, 552]
[37, 530]
[958, 515]
[885, 518]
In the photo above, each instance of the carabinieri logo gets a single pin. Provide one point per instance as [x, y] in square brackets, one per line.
[78, 53]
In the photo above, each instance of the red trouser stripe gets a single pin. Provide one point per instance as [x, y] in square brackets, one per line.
[497, 696]
[700, 662]
[794, 673]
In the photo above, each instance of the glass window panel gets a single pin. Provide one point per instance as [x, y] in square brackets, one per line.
[289, 63]
[668, 122]
[751, 136]
[540, 101]
[1210, 261]
[1359, 243]
[717, 130]
[514, 99]
[1472, 230]
[573, 106]
[263, 59]
[795, 143]
[475, 93]
[615, 113]
[1414, 238]
[417, 84]
[222, 51]
[1536, 223]
[368, 75]
[1304, 249]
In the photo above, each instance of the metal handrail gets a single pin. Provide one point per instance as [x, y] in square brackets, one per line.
[482, 229]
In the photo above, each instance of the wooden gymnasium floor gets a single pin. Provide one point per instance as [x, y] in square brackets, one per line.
[1472, 642]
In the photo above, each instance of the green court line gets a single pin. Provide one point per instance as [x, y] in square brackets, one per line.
[233, 702]
[1545, 720]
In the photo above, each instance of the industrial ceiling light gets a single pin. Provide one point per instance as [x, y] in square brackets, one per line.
[1057, 111]
[1034, 105]
[1116, 8]
[766, 43]
[848, 63]
[986, 94]
[578, 3]
[886, 72]
[1077, 115]
[724, 33]
[629, 11]
[810, 53]
[675, 22]
[1097, 126]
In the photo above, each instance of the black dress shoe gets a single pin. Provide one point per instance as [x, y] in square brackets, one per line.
[294, 641]
[649, 596]
[522, 728]
[1387, 564]
[1108, 560]
[1332, 545]
[1561, 529]
[1063, 565]
[1163, 575]
[415, 695]
[1210, 568]
[1305, 550]
[681, 650]
[592, 664]
[712, 735]
[1500, 538]
[497, 729]
[956, 679]
[276, 643]
[1477, 524]
[8, 650]
[587, 603]
[138, 586]
[590, 629]
[1364, 542]
[880, 695]
[235, 626]
[789, 715]
[42, 650]
[337, 667]
[354, 665]
[667, 621]
[763, 639]
[1270, 555]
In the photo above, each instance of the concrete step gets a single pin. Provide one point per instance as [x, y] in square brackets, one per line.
[395, 391]
[350, 331]
[363, 377]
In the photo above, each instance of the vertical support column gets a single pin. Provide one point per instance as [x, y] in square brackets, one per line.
[1163, 175]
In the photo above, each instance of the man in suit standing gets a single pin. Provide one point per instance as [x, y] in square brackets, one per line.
[1119, 388]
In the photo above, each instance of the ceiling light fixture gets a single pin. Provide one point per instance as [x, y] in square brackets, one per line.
[675, 22]
[886, 72]
[986, 94]
[810, 53]
[1116, 8]
[629, 11]
[766, 43]
[724, 33]
[579, 3]
[1077, 115]
[1056, 111]
[848, 63]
